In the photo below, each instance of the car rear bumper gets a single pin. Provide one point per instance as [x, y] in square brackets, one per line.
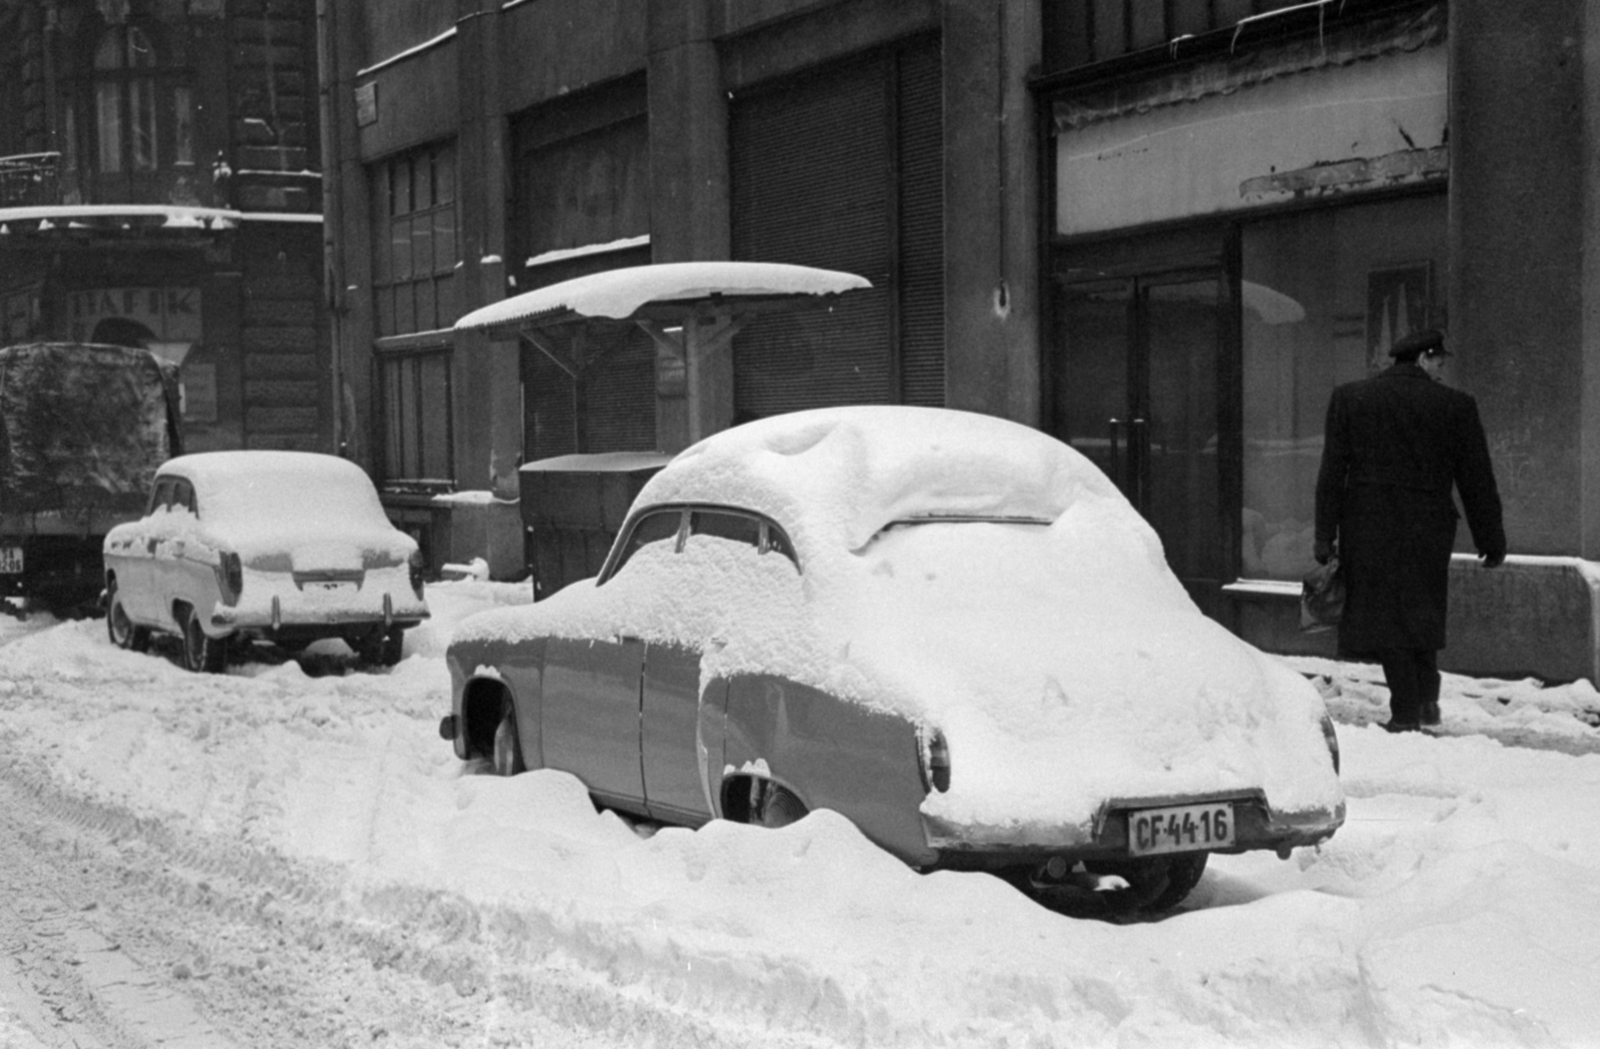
[289, 617]
[1257, 826]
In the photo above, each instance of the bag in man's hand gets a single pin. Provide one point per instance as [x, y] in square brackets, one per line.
[1322, 597]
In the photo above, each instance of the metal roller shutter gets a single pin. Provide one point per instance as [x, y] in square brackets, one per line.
[921, 141]
[617, 394]
[839, 169]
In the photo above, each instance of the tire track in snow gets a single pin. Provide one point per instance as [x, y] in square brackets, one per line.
[284, 954]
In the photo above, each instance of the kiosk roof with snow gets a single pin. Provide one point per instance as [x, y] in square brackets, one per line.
[690, 309]
[668, 292]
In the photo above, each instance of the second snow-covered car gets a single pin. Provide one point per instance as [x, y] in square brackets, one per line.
[950, 628]
[288, 547]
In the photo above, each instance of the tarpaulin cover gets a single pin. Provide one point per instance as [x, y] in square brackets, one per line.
[83, 427]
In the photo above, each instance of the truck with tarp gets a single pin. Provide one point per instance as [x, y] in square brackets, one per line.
[83, 428]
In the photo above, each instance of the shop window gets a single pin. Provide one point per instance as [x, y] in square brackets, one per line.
[415, 418]
[414, 248]
[1323, 295]
[1080, 32]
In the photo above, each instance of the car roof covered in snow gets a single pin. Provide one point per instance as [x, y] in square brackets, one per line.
[205, 469]
[841, 475]
[265, 491]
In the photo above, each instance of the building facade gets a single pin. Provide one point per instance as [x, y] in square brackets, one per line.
[1161, 232]
[1250, 202]
[484, 148]
[160, 186]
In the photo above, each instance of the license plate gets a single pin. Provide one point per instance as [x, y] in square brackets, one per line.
[1181, 828]
[331, 584]
[10, 560]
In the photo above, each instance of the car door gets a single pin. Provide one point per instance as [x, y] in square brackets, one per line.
[674, 753]
[669, 721]
[172, 572]
[590, 715]
[590, 709]
[132, 557]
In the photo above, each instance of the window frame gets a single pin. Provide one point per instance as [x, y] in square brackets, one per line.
[394, 182]
[391, 463]
[771, 536]
[134, 123]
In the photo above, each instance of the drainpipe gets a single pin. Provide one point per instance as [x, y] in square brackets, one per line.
[332, 209]
[52, 29]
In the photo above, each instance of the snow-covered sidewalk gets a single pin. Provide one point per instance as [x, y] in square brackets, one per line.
[1459, 905]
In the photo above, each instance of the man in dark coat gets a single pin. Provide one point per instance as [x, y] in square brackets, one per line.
[1394, 446]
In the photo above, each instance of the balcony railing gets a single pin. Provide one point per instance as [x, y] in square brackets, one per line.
[29, 180]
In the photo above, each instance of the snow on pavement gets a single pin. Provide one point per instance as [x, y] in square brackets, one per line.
[1459, 905]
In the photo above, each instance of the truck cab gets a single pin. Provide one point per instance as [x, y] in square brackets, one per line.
[83, 427]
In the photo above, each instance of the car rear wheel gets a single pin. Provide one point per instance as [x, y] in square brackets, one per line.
[1155, 884]
[507, 756]
[121, 629]
[778, 807]
[202, 653]
[381, 647]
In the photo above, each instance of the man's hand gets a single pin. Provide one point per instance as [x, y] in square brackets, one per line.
[1322, 550]
[1493, 558]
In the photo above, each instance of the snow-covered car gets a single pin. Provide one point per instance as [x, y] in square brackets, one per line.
[950, 628]
[287, 547]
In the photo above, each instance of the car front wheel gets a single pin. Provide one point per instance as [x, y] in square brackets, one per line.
[202, 653]
[121, 629]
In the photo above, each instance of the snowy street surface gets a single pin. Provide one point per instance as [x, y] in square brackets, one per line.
[288, 856]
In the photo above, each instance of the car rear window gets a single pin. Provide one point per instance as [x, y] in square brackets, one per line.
[651, 528]
[743, 528]
[723, 525]
[754, 531]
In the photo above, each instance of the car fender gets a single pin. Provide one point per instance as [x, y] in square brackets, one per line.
[480, 668]
[831, 753]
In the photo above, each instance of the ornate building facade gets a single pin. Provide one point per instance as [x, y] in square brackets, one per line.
[160, 185]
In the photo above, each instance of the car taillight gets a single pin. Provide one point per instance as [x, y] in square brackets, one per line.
[230, 577]
[1332, 739]
[933, 757]
[416, 571]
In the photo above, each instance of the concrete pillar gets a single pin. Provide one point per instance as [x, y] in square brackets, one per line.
[991, 206]
[1519, 186]
[689, 195]
[487, 397]
[347, 219]
[1588, 162]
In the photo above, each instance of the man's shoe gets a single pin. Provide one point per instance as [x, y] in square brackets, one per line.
[1401, 726]
[1430, 714]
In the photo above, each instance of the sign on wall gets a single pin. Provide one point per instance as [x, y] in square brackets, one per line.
[170, 314]
[1366, 125]
[165, 320]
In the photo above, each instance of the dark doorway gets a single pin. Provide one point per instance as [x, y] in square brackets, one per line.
[1136, 390]
[120, 331]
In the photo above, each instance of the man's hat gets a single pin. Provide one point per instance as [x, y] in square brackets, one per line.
[1429, 341]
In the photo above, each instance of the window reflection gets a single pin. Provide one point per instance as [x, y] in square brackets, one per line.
[1323, 294]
